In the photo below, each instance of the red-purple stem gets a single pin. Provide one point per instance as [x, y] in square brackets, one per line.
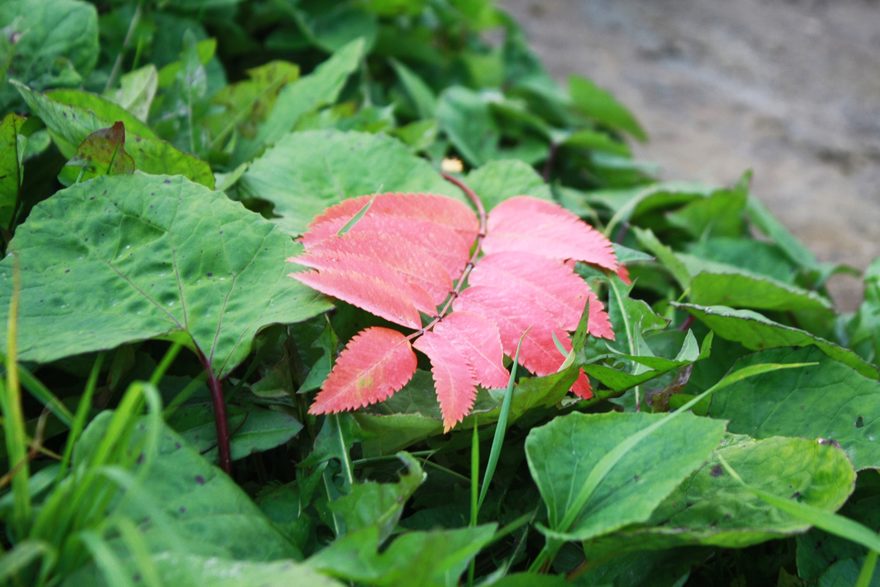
[481, 213]
[220, 420]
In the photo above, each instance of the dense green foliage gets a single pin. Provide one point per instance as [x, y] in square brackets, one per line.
[158, 159]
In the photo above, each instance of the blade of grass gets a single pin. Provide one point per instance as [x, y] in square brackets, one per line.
[43, 395]
[107, 562]
[500, 429]
[866, 575]
[23, 555]
[139, 551]
[82, 413]
[167, 359]
[357, 217]
[475, 490]
[13, 417]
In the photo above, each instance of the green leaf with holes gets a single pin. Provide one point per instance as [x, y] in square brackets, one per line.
[713, 509]
[563, 453]
[125, 258]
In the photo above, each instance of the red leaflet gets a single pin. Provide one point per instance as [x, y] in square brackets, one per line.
[372, 294]
[543, 228]
[453, 377]
[375, 363]
[409, 252]
[415, 263]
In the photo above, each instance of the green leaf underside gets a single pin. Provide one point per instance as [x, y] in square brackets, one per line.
[756, 332]
[125, 258]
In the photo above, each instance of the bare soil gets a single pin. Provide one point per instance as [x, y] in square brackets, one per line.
[787, 88]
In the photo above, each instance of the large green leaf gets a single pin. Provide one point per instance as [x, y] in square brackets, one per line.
[186, 506]
[47, 43]
[496, 181]
[829, 400]
[71, 123]
[562, 454]
[103, 109]
[756, 332]
[428, 559]
[184, 495]
[125, 258]
[712, 508]
[308, 171]
[760, 257]
[307, 94]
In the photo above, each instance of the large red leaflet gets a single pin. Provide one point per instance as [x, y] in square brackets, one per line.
[402, 259]
[529, 225]
[478, 340]
[376, 363]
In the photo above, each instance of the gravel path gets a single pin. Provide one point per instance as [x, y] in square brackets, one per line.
[787, 88]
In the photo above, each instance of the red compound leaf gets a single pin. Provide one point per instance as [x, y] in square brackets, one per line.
[376, 363]
[407, 253]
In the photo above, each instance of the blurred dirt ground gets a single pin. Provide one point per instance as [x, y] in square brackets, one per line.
[787, 88]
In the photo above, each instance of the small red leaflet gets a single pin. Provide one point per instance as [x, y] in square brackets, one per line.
[467, 286]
